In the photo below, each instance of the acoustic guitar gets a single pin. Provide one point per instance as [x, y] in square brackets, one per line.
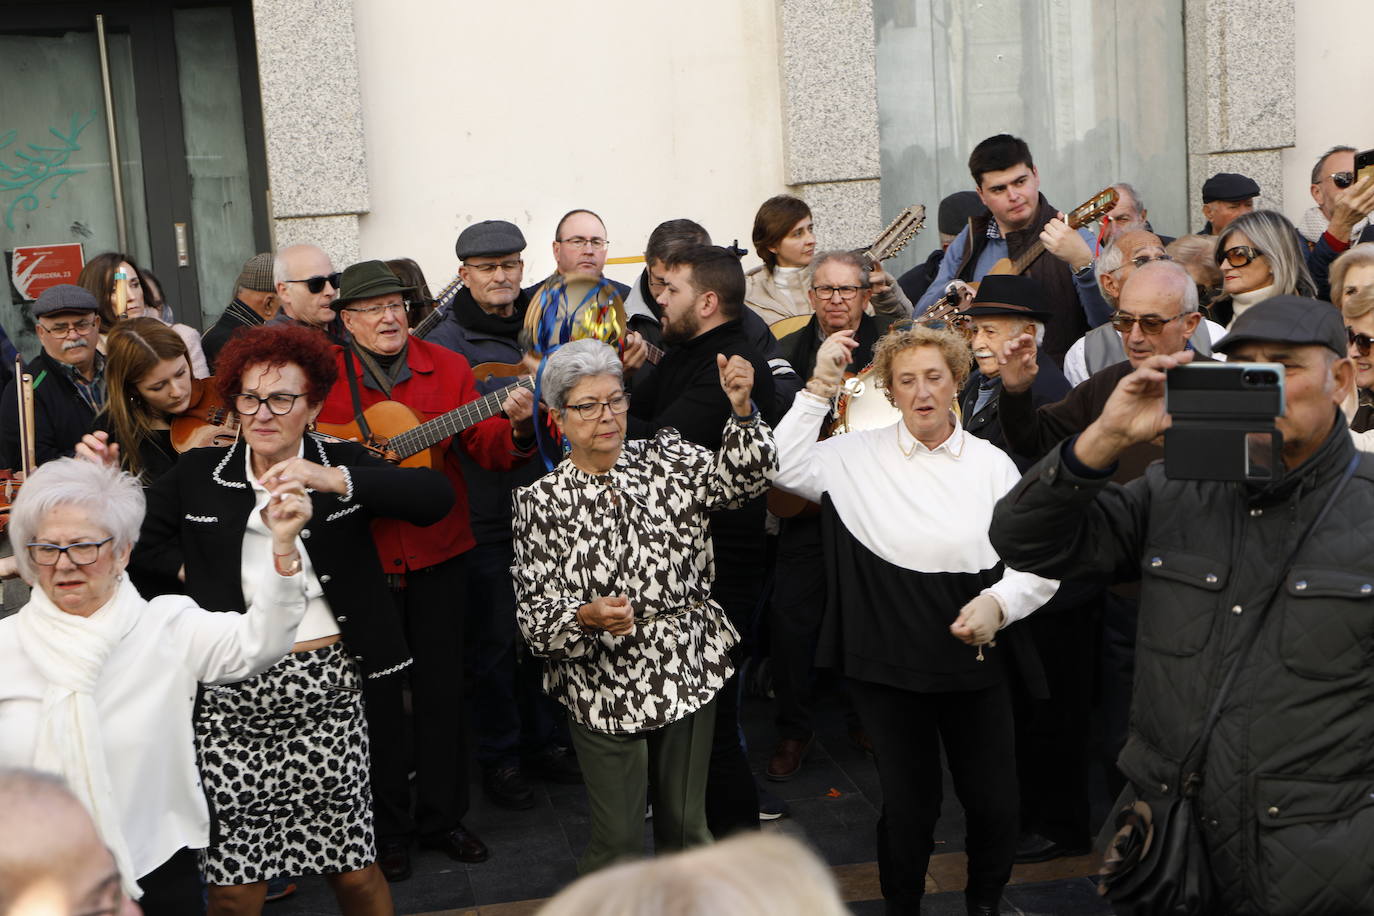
[403, 436]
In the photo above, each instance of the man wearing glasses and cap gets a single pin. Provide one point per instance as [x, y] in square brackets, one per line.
[426, 567]
[1283, 790]
[68, 377]
[307, 285]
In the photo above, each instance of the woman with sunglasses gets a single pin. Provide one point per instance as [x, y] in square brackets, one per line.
[97, 684]
[1260, 256]
[283, 755]
[143, 299]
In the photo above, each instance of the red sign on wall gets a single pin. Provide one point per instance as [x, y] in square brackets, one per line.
[37, 267]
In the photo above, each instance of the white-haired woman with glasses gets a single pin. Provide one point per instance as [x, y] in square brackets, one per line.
[97, 684]
[613, 571]
[284, 755]
[1259, 257]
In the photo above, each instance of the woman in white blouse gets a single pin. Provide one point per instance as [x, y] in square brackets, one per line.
[97, 685]
[906, 509]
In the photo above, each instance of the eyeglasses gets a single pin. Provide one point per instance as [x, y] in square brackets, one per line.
[1149, 324]
[1342, 179]
[594, 244]
[375, 311]
[279, 403]
[1361, 342]
[83, 554]
[594, 410]
[510, 267]
[316, 284]
[65, 328]
[828, 292]
[1240, 255]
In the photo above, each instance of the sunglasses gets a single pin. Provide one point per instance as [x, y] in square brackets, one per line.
[316, 284]
[1149, 324]
[1361, 342]
[1342, 179]
[1240, 255]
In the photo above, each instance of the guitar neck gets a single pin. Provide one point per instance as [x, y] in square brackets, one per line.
[432, 432]
[428, 323]
[1028, 257]
[655, 353]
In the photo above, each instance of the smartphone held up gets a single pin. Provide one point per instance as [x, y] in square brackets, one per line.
[1223, 417]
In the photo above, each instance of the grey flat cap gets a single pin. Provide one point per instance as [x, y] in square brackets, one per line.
[488, 239]
[1288, 320]
[64, 297]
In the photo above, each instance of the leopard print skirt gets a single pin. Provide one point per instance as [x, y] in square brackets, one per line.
[284, 762]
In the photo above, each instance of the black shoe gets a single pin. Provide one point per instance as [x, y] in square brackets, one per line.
[557, 764]
[982, 909]
[393, 858]
[507, 788]
[1032, 847]
[459, 844]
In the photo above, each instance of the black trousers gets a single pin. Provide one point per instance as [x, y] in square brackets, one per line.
[798, 607]
[907, 729]
[732, 798]
[431, 609]
[1119, 616]
[174, 888]
[1052, 735]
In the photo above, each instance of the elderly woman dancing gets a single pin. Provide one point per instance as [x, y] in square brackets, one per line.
[97, 684]
[613, 571]
[906, 510]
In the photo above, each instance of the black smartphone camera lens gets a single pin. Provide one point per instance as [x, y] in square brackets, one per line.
[1258, 377]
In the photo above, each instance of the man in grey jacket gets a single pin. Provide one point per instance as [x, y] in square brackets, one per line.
[1286, 801]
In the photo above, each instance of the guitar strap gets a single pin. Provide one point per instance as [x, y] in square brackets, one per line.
[352, 374]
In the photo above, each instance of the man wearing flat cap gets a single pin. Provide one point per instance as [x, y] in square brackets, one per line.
[1263, 591]
[1225, 196]
[68, 377]
[426, 567]
[514, 721]
[255, 301]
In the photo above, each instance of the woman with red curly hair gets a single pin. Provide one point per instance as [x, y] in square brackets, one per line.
[283, 755]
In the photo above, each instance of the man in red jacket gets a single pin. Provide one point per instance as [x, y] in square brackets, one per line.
[425, 566]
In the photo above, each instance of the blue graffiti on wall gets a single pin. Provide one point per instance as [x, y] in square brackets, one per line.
[39, 165]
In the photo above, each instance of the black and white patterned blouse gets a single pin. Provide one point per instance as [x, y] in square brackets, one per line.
[639, 530]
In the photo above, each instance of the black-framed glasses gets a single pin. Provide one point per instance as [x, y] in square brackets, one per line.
[375, 311]
[278, 403]
[510, 267]
[82, 554]
[82, 326]
[1342, 179]
[1361, 342]
[828, 292]
[595, 243]
[1149, 324]
[1240, 255]
[316, 284]
[594, 410]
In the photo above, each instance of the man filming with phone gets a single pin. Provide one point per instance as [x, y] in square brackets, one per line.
[1256, 621]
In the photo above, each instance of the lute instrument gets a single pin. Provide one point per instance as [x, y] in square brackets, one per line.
[403, 436]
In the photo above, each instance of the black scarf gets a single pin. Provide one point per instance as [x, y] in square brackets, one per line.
[473, 317]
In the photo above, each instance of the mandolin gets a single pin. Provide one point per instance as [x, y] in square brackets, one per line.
[1093, 208]
[403, 436]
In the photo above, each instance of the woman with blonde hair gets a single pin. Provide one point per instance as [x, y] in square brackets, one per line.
[1351, 272]
[1259, 258]
[149, 383]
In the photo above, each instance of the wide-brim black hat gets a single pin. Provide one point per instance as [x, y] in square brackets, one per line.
[1001, 294]
[367, 279]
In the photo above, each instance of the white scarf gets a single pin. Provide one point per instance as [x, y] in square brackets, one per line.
[70, 652]
[1241, 302]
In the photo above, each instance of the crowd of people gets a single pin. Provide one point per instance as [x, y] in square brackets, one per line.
[275, 566]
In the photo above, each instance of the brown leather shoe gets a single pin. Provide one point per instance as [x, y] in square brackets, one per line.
[787, 758]
[460, 844]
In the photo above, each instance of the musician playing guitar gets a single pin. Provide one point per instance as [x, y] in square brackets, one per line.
[1018, 219]
[426, 566]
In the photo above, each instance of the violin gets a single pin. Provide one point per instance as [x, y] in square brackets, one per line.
[207, 421]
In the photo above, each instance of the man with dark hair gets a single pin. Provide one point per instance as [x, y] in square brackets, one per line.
[1018, 216]
[1341, 217]
[580, 247]
[702, 303]
[644, 316]
[255, 301]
